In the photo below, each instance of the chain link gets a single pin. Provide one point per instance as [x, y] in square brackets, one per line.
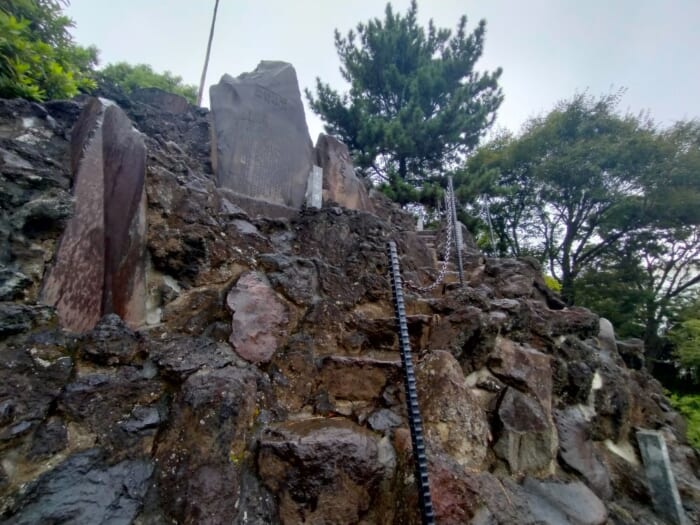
[448, 248]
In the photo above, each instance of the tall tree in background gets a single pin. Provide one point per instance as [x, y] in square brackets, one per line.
[416, 103]
[38, 58]
[568, 189]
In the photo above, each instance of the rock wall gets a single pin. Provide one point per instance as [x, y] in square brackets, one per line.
[266, 387]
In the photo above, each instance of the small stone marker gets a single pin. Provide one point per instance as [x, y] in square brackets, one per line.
[662, 485]
[314, 189]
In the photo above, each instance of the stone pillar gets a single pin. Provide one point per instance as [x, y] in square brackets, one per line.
[662, 485]
[314, 190]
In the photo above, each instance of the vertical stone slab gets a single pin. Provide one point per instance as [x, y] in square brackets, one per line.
[124, 155]
[261, 147]
[314, 191]
[75, 281]
[99, 266]
[662, 485]
[340, 184]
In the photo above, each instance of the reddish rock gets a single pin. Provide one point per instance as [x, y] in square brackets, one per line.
[340, 184]
[259, 318]
[99, 267]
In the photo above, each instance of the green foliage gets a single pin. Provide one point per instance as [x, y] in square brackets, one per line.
[685, 336]
[130, 77]
[689, 406]
[552, 283]
[416, 104]
[38, 58]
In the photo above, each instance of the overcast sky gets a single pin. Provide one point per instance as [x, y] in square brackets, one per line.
[548, 49]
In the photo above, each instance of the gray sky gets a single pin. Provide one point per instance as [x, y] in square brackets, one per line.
[548, 49]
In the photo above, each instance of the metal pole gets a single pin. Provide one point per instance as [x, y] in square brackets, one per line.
[414, 420]
[206, 59]
[458, 231]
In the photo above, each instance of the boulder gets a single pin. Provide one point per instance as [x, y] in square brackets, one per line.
[85, 489]
[340, 184]
[99, 266]
[324, 470]
[453, 420]
[527, 441]
[556, 503]
[576, 450]
[259, 318]
[261, 147]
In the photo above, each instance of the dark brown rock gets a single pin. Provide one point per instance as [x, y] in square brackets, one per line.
[340, 184]
[321, 470]
[261, 147]
[200, 454]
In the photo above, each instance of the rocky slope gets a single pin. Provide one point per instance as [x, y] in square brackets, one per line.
[265, 385]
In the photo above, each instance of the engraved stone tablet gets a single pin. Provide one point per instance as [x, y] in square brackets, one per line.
[99, 266]
[261, 147]
[662, 485]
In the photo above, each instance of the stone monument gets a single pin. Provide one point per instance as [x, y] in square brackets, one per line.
[261, 148]
[662, 485]
[99, 266]
[340, 184]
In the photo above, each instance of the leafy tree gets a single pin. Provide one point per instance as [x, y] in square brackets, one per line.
[568, 188]
[38, 58]
[416, 104]
[130, 77]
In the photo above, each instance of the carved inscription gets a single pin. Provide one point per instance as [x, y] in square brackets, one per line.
[270, 97]
[263, 150]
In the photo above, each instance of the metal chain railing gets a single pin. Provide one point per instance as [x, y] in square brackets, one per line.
[449, 200]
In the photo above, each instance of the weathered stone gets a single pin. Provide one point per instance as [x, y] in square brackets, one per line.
[632, 353]
[555, 503]
[384, 419]
[356, 378]
[100, 262]
[576, 450]
[321, 470]
[261, 147]
[452, 417]
[51, 437]
[111, 342]
[181, 356]
[340, 184]
[30, 382]
[259, 318]
[17, 318]
[102, 402]
[527, 440]
[200, 453]
[84, 490]
[662, 485]
[523, 367]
